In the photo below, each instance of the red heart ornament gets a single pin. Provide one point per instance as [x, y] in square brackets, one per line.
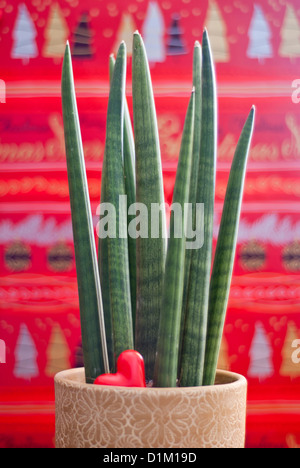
[130, 371]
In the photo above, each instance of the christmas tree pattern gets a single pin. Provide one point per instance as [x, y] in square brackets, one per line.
[83, 37]
[24, 34]
[25, 356]
[261, 365]
[290, 34]
[175, 42]
[289, 366]
[58, 353]
[216, 28]
[153, 32]
[260, 34]
[125, 32]
[56, 33]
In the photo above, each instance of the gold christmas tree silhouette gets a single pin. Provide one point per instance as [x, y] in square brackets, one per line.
[58, 352]
[217, 31]
[125, 32]
[290, 34]
[56, 33]
[289, 368]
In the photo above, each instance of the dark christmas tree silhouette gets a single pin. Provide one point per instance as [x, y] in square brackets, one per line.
[175, 42]
[83, 37]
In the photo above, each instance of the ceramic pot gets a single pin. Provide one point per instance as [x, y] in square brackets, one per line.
[93, 416]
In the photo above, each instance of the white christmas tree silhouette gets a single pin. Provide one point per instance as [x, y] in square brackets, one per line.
[153, 33]
[260, 34]
[24, 34]
[290, 34]
[261, 365]
[25, 355]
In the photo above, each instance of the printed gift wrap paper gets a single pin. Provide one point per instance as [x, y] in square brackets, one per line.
[250, 38]
[256, 47]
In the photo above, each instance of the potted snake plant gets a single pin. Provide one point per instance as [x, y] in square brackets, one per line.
[149, 289]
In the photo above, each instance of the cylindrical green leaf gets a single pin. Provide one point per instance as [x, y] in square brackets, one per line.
[193, 347]
[225, 252]
[151, 249]
[170, 319]
[129, 175]
[129, 180]
[104, 279]
[116, 242]
[90, 299]
[197, 79]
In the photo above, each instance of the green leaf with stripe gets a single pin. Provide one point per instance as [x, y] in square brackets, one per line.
[194, 337]
[170, 319]
[89, 290]
[197, 81]
[151, 250]
[225, 251]
[114, 265]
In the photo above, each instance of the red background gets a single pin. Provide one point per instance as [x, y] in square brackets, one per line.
[37, 272]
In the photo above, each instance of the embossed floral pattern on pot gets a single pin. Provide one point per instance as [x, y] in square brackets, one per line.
[98, 416]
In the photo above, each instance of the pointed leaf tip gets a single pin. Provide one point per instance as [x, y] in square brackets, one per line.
[137, 39]
[137, 36]
[67, 67]
[205, 37]
[251, 115]
[122, 45]
[67, 54]
[67, 49]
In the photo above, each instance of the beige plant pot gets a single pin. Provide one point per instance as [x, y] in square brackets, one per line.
[117, 417]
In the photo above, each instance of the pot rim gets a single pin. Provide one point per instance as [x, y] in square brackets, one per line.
[224, 380]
